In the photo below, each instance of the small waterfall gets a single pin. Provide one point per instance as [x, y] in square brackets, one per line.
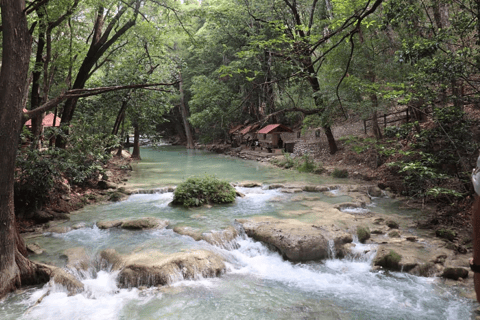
[331, 249]
[154, 190]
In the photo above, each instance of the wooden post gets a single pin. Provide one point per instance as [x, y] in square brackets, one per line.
[407, 115]
[384, 120]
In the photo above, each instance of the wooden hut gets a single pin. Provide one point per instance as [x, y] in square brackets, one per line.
[249, 136]
[269, 137]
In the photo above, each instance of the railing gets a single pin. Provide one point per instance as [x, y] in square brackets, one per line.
[386, 121]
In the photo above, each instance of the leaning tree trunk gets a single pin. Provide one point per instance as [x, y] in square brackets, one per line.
[15, 269]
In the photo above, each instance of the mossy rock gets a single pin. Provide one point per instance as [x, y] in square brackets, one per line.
[363, 233]
[392, 224]
[394, 234]
[446, 234]
[340, 173]
[389, 261]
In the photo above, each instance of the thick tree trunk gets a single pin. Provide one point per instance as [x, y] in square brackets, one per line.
[136, 142]
[14, 267]
[476, 243]
[184, 112]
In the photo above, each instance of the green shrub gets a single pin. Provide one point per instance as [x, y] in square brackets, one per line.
[35, 176]
[340, 173]
[197, 191]
[307, 165]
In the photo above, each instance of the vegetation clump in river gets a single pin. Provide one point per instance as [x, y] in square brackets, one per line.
[197, 191]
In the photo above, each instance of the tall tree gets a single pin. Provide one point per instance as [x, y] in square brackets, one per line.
[15, 268]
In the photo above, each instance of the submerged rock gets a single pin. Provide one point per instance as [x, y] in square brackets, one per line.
[34, 248]
[157, 269]
[297, 241]
[224, 238]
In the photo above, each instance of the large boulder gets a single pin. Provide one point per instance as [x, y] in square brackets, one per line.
[137, 224]
[297, 241]
[158, 269]
[144, 223]
[59, 276]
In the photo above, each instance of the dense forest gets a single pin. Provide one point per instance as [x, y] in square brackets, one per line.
[105, 69]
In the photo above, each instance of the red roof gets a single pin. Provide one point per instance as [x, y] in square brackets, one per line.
[235, 129]
[47, 121]
[271, 127]
[249, 129]
[246, 130]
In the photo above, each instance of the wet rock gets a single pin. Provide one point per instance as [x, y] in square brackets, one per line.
[42, 216]
[77, 258]
[137, 224]
[394, 234]
[105, 184]
[446, 234]
[276, 186]
[392, 224]
[428, 269]
[250, 184]
[157, 269]
[363, 233]
[388, 259]
[455, 273]
[239, 194]
[189, 231]
[59, 229]
[34, 248]
[349, 205]
[310, 188]
[59, 276]
[297, 241]
[144, 223]
[375, 191]
[109, 224]
[223, 239]
[293, 190]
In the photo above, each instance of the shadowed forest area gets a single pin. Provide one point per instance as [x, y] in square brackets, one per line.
[81, 80]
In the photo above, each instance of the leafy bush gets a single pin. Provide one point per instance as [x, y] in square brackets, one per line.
[307, 165]
[400, 132]
[35, 176]
[197, 191]
[340, 173]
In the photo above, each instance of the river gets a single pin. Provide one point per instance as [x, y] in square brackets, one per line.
[258, 283]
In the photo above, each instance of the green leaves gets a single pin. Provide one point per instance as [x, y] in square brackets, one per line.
[196, 191]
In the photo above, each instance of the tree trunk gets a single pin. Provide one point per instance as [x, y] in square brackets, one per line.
[476, 242]
[184, 112]
[136, 142]
[14, 267]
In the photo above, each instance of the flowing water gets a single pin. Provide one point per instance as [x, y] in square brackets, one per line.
[258, 283]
